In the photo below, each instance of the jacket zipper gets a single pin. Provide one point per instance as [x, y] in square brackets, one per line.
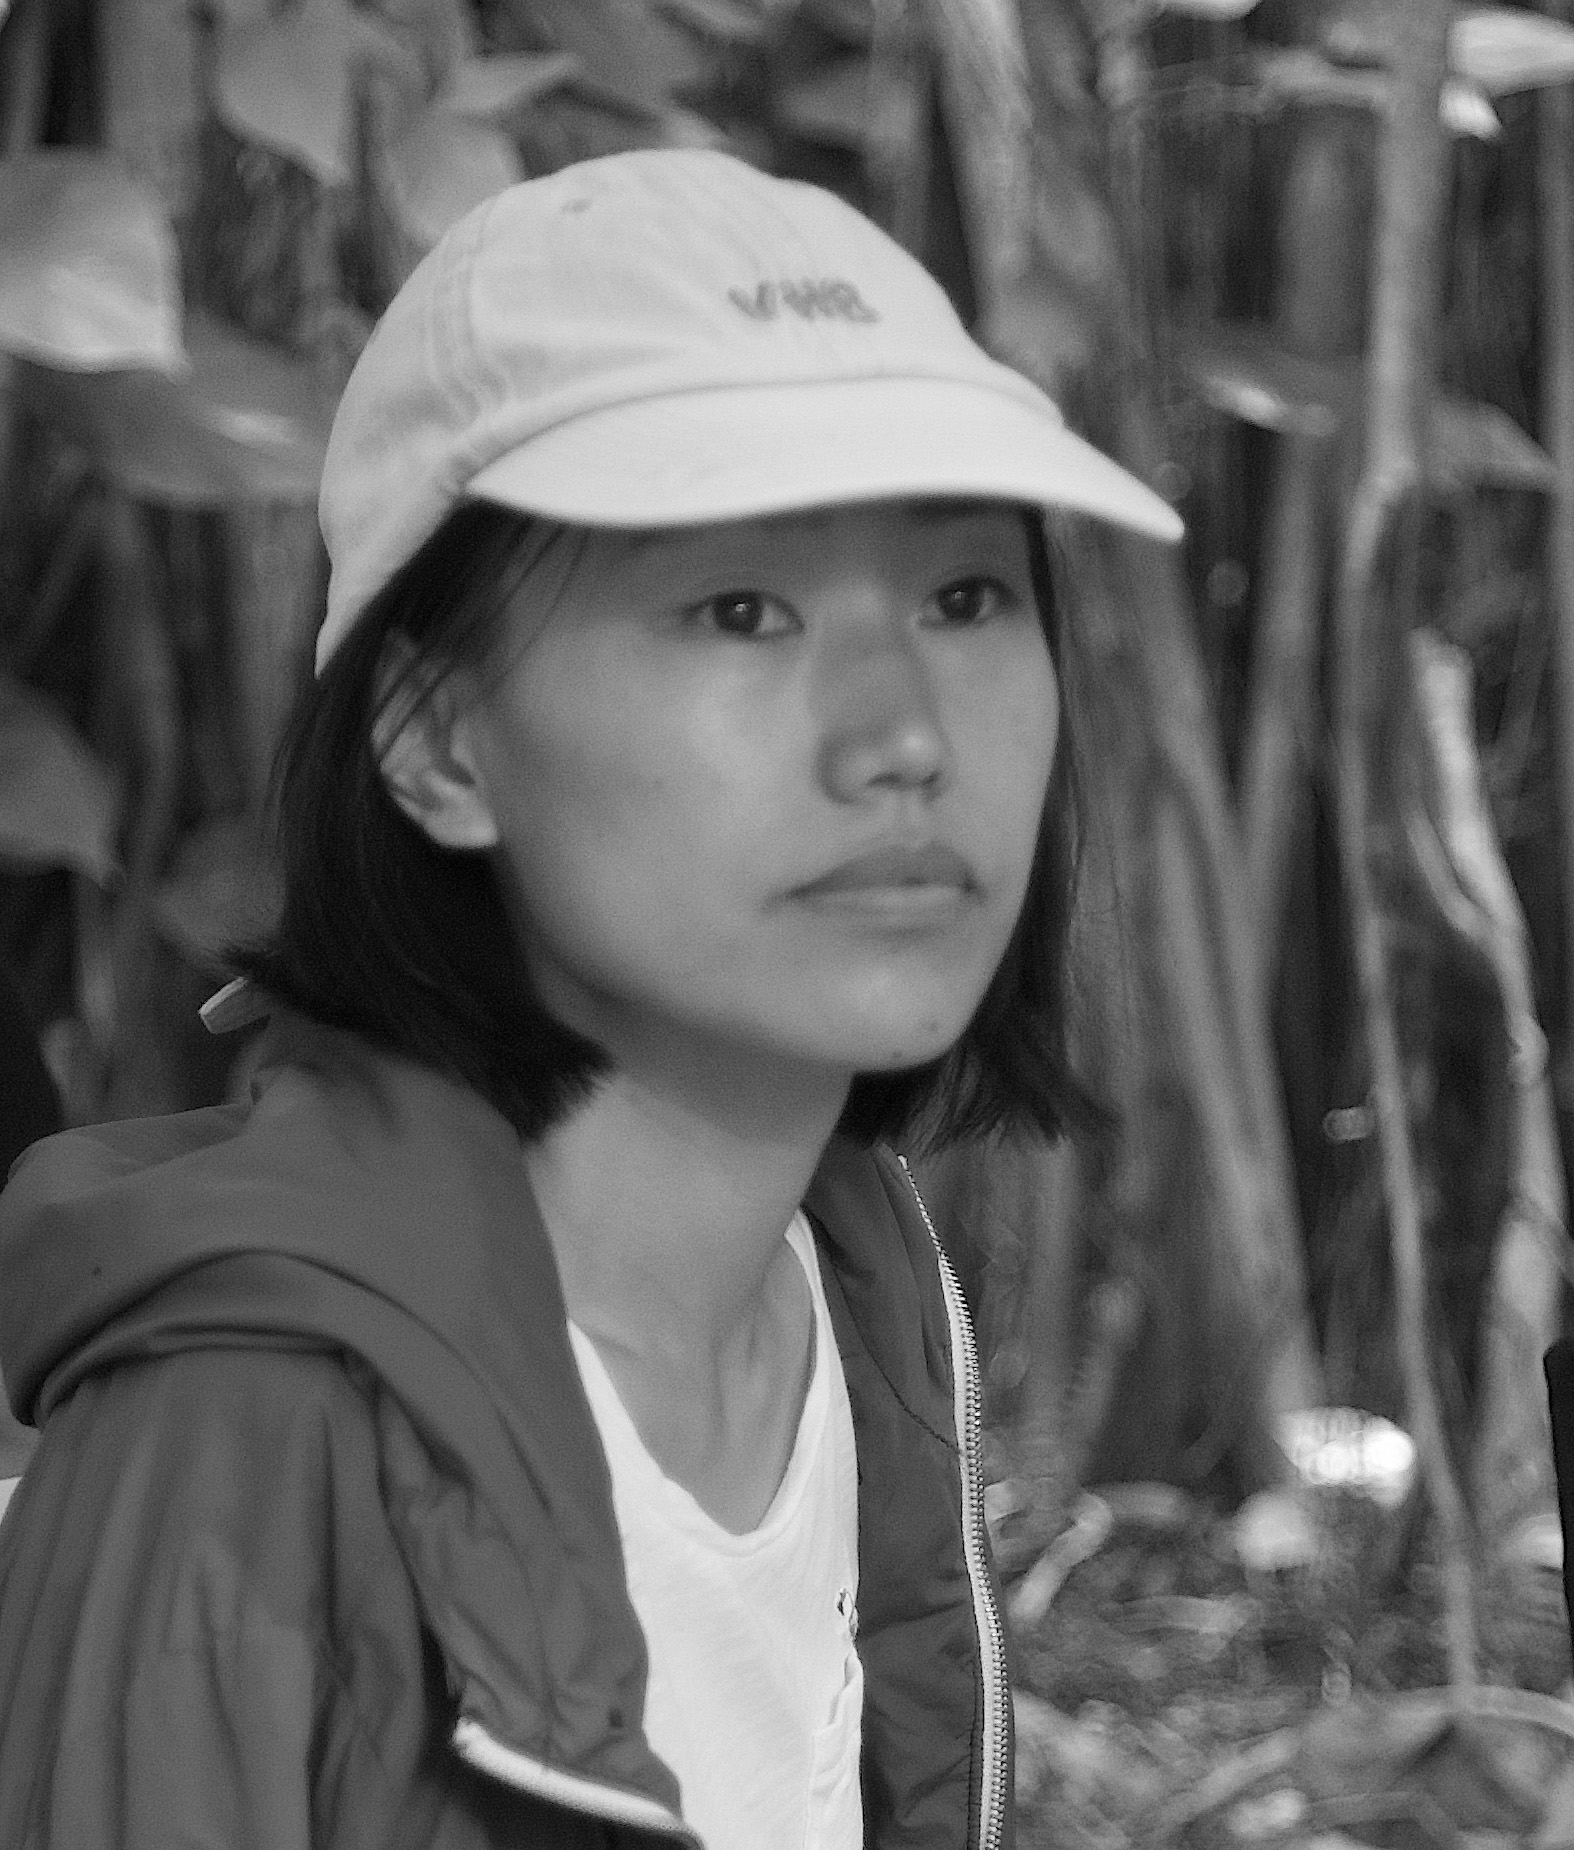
[620, 1807]
[986, 1613]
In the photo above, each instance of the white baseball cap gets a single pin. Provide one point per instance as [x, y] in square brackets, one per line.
[669, 338]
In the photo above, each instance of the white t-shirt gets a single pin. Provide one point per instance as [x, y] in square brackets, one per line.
[756, 1693]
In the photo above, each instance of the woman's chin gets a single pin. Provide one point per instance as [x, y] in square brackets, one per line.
[895, 1048]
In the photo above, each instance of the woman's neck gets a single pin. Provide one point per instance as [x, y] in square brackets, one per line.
[667, 1208]
[666, 1200]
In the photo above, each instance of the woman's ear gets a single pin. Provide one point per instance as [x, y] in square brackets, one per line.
[425, 753]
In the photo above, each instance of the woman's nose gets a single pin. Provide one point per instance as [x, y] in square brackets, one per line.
[884, 731]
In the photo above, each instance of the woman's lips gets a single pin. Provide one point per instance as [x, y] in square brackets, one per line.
[897, 881]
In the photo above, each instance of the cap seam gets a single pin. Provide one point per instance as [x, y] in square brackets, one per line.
[481, 383]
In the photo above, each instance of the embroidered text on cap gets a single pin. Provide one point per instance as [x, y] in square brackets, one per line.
[832, 298]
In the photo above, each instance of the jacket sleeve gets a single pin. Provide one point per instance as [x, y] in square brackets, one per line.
[184, 1574]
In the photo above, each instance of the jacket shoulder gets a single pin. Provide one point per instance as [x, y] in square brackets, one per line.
[201, 1608]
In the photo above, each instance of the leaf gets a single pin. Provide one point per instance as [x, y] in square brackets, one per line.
[246, 423]
[729, 22]
[1208, 9]
[284, 81]
[687, 128]
[490, 88]
[1503, 49]
[57, 802]
[1242, 370]
[91, 277]
[441, 167]
[444, 31]
[1476, 445]
[1466, 110]
[627, 52]
[1295, 74]
[224, 891]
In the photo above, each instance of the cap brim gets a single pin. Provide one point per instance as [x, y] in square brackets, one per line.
[741, 451]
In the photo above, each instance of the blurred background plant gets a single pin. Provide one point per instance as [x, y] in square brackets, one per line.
[1307, 265]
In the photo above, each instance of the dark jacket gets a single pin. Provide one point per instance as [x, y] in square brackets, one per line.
[317, 1548]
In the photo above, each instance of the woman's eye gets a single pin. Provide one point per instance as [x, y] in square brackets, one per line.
[746, 614]
[971, 601]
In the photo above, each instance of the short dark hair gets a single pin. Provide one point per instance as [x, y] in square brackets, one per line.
[411, 945]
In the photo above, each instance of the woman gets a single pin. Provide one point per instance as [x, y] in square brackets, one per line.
[542, 1414]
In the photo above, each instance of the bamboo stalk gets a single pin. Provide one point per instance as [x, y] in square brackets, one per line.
[983, 86]
[1223, 1042]
[135, 640]
[26, 47]
[272, 566]
[1279, 735]
[1404, 1218]
[1320, 274]
[25, 44]
[897, 142]
[1555, 174]
[1185, 731]
[1457, 850]
[1250, 1269]
[1412, 170]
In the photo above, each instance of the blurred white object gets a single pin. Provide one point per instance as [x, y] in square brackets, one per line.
[1273, 1532]
[1537, 1542]
[1344, 1448]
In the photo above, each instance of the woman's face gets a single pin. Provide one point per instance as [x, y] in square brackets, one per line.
[773, 787]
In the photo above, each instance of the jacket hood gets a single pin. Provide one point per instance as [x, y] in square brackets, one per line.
[341, 1159]
[363, 1204]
